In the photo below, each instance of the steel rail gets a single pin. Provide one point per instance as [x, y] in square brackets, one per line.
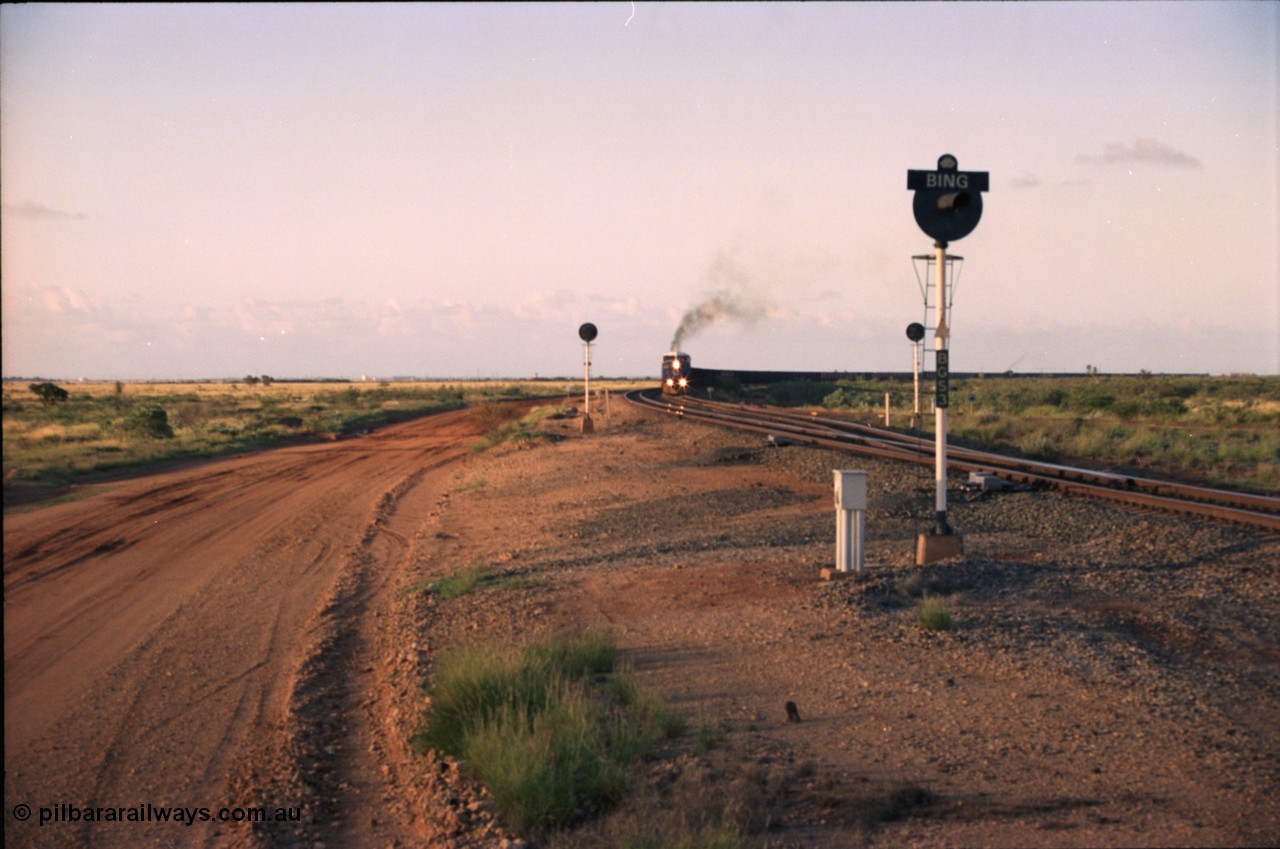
[1243, 500]
[1249, 509]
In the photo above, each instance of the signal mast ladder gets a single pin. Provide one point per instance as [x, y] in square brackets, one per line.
[927, 278]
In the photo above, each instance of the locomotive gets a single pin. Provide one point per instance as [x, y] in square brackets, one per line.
[675, 373]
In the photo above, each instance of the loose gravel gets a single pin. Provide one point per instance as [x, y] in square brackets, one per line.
[1111, 677]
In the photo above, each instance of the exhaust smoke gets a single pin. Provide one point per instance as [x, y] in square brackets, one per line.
[728, 301]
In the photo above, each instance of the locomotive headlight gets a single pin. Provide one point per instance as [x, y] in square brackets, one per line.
[683, 382]
[670, 382]
[675, 365]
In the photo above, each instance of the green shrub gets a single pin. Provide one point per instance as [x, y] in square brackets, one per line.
[49, 393]
[461, 582]
[855, 394]
[577, 657]
[470, 579]
[550, 766]
[149, 421]
[727, 386]
[546, 728]
[1089, 398]
[933, 615]
[798, 393]
[1038, 446]
[625, 692]
[503, 423]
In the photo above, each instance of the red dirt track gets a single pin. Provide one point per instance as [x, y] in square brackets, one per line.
[156, 630]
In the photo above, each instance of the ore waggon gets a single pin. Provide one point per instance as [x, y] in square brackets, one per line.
[675, 373]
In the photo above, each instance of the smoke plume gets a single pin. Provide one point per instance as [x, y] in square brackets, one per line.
[729, 301]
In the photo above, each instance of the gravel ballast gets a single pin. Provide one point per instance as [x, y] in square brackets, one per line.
[1110, 677]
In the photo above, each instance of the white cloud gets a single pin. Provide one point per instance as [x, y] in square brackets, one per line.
[615, 306]
[62, 333]
[1141, 152]
[546, 304]
[61, 300]
[41, 212]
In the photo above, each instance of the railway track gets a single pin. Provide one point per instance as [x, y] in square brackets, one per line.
[1240, 508]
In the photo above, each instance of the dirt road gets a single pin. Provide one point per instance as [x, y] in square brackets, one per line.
[162, 635]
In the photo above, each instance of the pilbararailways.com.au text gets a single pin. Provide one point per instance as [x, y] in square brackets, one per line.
[149, 813]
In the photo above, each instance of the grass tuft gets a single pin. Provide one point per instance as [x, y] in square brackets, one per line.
[707, 737]
[551, 729]
[454, 584]
[501, 423]
[470, 579]
[462, 581]
[933, 615]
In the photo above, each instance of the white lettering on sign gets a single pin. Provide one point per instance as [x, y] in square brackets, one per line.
[937, 180]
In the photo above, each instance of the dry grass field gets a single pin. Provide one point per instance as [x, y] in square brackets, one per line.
[1219, 431]
[107, 427]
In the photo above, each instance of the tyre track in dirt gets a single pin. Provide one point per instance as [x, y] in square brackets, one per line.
[166, 637]
[351, 763]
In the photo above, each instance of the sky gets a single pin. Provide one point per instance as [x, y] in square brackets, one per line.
[450, 190]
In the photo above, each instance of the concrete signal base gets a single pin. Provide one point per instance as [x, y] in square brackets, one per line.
[930, 548]
[832, 574]
[587, 425]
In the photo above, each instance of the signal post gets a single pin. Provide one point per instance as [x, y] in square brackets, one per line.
[947, 206]
[915, 332]
[587, 333]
